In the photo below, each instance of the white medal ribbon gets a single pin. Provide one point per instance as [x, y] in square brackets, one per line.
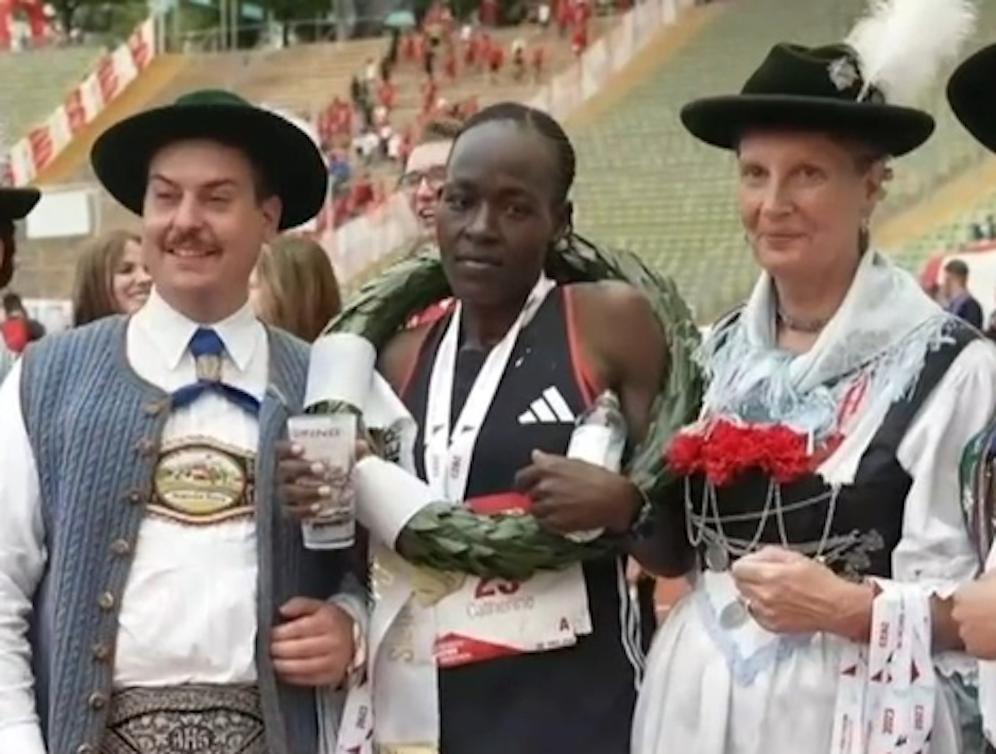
[449, 451]
[886, 690]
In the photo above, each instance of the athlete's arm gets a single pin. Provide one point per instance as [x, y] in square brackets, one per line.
[626, 347]
[624, 344]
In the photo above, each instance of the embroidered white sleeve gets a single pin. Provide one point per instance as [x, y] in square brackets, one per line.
[936, 549]
[22, 561]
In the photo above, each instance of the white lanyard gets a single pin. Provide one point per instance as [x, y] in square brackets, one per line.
[449, 451]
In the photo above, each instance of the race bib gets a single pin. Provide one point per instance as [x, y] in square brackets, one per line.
[490, 618]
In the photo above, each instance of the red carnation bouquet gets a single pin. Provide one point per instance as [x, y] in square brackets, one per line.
[724, 450]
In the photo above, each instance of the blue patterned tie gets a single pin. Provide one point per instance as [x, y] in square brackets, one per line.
[208, 351]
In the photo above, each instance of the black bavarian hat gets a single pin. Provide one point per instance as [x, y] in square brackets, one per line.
[16, 203]
[970, 92]
[290, 161]
[809, 88]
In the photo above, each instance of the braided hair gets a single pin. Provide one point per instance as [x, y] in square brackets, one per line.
[544, 125]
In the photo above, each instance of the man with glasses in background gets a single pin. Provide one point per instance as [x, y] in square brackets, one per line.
[422, 182]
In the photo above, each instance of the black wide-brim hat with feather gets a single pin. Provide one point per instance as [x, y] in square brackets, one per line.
[289, 159]
[971, 90]
[17, 203]
[809, 89]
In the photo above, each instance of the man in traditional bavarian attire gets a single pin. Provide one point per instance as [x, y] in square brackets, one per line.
[166, 603]
[15, 204]
[975, 604]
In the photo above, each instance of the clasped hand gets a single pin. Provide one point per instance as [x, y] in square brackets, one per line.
[314, 645]
[569, 495]
[789, 593]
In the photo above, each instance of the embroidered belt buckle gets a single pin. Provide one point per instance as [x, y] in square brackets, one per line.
[191, 719]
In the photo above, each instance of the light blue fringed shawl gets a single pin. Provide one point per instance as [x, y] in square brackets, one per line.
[883, 331]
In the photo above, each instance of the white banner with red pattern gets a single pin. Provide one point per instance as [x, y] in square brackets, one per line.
[116, 70]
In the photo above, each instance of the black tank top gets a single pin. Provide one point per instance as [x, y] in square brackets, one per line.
[577, 700]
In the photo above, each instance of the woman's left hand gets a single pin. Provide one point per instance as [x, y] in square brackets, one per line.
[789, 593]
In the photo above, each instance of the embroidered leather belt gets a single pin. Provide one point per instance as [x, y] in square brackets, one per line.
[185, 720]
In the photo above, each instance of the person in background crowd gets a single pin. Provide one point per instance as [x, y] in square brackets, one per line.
[422, 183]
[18, 327]
[111, 277]
[425, 172]
[294, 287]
[15, 204]
[138, 513]
[959, 301]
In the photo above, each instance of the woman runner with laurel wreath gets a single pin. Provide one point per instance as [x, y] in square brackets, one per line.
[512, 368]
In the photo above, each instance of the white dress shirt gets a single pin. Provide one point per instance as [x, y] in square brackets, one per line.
[188, 614]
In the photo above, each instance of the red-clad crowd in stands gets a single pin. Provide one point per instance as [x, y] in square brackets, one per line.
[358, 133]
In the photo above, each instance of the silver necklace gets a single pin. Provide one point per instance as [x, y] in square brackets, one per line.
[808, 326]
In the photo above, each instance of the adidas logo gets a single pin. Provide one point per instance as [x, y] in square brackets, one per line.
[549, 408]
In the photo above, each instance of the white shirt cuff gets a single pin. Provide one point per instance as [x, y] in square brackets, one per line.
[23, 738]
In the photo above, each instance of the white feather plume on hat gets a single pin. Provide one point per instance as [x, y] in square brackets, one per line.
[903, 45]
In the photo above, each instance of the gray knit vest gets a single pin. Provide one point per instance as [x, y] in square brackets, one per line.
[95, 428]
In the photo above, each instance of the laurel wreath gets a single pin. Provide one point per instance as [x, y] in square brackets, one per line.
[514, 546]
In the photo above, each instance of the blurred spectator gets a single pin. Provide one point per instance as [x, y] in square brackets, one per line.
[111, 277]
[543, 14]
[365, 145]
[960, 302]
[362, 195]
[340, 171]
[425, 172]
[489, 13]
[294, 287]
[536, 60]
[496, 60]
[518, 59]
[18, 328]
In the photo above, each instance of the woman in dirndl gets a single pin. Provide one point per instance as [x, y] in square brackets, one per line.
[820, 489]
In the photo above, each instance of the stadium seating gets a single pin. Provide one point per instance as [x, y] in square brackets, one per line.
[645, 184]
[35, 81]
